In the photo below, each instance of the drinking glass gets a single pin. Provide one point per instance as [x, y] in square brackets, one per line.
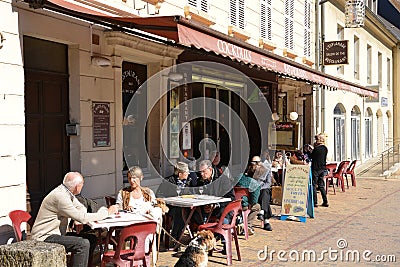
[201, 190]
[178, 189]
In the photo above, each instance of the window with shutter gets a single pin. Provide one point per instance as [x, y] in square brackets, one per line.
[307, 28]
[199, 4]
[289, 24]
[236, 13]
[265, 19]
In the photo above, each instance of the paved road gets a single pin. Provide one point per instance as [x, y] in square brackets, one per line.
[366, 218]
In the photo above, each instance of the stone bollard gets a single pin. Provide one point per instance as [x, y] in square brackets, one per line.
[32, 253]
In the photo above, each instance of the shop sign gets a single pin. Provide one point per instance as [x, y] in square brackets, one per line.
[336, 53]
[101, 124]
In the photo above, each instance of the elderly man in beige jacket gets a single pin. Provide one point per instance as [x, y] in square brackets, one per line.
[60, 205]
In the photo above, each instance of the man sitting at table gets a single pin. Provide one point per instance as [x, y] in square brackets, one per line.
[168, 188]
[60, 205]
[217, 186]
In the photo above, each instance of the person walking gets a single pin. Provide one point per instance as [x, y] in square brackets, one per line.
[318, 167]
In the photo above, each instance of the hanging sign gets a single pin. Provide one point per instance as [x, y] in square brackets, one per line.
[335, 53]
[101, 124]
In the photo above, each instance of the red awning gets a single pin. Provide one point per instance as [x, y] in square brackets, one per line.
[188, 33]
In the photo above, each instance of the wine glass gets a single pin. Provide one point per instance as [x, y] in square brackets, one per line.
[178, 189]
[201, 190]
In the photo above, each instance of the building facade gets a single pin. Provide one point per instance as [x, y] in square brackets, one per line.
[71, 70]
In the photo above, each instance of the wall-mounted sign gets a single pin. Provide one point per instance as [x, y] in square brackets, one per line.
[101, 124]
[384, 102]
[335, 53]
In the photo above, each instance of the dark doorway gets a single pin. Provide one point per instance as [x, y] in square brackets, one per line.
[46, 113]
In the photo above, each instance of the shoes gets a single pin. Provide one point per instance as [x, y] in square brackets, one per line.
[260, 217]
[315, 205]
[325, 204]
[251, 230]
[267, 227]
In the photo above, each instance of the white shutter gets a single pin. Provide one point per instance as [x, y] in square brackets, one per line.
[236, 13]
[199, 4]
[192, 3]
[241, 14]
[307, 28]
[265, 19]
[232, 12]
[289, 15]
[204, 5]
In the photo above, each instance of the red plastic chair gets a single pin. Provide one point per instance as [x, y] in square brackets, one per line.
[227, 230]
[17, 218]
[340, 172]
[136, 235]
[329, 177]
[239, 193]
[350, 171]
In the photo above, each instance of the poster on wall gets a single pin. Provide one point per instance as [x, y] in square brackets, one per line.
[187, 138]
[174, 146]
[101, 124]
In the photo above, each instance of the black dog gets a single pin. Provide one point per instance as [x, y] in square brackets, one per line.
[196, 253]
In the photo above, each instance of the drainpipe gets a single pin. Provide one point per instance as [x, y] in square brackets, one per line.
[323, 117]
[317, 57]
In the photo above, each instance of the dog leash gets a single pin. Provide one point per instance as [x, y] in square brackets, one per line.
[173, 238]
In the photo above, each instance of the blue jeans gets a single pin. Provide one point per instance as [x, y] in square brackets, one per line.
[77, 245]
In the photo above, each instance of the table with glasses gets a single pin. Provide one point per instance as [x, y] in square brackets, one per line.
[194, 202]
[122, 219]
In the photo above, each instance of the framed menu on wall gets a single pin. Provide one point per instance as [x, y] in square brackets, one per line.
[101, 124]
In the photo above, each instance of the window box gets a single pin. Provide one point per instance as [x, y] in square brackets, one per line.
[198, 15]
[288, 53]
[236, 32]
[266, 45]
[308, 61]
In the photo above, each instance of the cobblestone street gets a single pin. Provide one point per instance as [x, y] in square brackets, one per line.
[364, 217]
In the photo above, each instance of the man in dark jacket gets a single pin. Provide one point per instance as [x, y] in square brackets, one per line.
[181, 179]
[318, 167]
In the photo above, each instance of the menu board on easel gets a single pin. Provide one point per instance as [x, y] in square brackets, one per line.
[296, 191]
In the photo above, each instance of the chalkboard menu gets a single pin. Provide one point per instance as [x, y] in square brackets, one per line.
[295, 190]
[101, 124]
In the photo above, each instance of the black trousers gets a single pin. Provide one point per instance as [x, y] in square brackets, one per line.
[265, 200]
[318, 181]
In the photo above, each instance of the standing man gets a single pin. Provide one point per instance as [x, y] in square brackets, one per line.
[60, 205]
[318, 167]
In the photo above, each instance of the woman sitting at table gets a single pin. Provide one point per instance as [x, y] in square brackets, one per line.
[139, 199]
[278, 162]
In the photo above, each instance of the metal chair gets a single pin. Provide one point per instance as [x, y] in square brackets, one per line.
[350, 171]
[136, 255]
[17, 218]
[227, 230]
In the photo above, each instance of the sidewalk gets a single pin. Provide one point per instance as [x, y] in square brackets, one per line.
[365, 217]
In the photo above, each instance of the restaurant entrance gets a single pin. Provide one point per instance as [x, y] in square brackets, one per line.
[46, 114]
[218, 132]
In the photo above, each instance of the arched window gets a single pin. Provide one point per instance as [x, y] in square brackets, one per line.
[339, 132]
[368, 133]
[355, 133]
